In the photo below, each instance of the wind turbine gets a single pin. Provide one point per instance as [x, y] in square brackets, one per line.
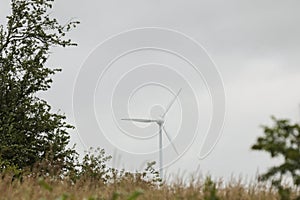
[160, 122]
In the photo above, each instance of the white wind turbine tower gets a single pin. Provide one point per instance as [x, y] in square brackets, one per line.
[160, 122]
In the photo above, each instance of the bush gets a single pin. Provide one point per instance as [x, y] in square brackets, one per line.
[281, 140]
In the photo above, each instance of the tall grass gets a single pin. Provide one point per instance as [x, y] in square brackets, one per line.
[92, 179]
[130, 186]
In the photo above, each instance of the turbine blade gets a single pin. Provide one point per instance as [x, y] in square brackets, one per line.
[169, 138]
[171, 103]
[140, 120]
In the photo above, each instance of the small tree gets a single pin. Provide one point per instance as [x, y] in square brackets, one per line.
[29, 131]
[281, 140]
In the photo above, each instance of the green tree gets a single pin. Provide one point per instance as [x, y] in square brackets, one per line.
[29, 131]
[281, 140]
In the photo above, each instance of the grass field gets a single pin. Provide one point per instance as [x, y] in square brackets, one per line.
[92, 179]
[131, 187]
[96, 181]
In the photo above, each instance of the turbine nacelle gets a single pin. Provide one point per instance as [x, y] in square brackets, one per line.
[160, 121]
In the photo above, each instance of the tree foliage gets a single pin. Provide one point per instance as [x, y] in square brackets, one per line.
[281, 140]
[29, 131]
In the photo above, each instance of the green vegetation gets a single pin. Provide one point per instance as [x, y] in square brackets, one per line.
[35, 162]
[282, 140]
[95, 180]
[29, 133]
[131, 186]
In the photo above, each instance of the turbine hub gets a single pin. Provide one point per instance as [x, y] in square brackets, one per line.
[160, 121]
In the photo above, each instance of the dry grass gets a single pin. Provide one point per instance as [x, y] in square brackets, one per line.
[129, 188]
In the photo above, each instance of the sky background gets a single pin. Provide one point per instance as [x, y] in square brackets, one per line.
[255, 45]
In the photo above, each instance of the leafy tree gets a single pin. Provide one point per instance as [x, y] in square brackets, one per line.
[29, 131]
[281, 140]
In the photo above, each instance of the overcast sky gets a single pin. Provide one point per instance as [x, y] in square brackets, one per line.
[255, 45]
